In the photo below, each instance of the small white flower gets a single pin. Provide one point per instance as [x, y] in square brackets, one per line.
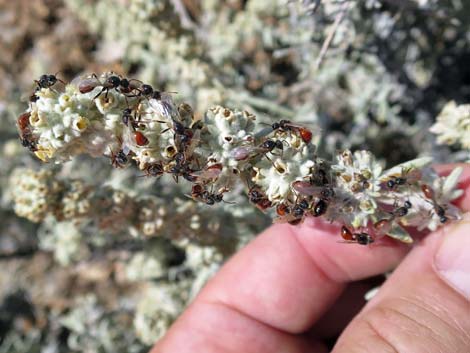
[426, 211]
[453, 125]
[358, 181]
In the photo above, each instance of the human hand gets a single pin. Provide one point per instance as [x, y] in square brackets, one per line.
[292, 287]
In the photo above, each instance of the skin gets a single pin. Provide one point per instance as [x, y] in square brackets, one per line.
[293, 288]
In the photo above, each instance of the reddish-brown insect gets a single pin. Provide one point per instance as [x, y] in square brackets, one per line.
[305, 133]
[264, 204]
[383, 226]
[427, 191]
[440, 210]
[140, 138]
[295, 215]
[86, 84]
[346, 234]
[361, 238]
[26, 136]
[23, 121]
[189, 144]
[324, 193]
[282, 209]
[256, 196]
[199, 193]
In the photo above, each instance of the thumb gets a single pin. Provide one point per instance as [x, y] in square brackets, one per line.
[425, 305]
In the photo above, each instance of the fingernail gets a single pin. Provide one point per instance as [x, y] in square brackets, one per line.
[452, 260]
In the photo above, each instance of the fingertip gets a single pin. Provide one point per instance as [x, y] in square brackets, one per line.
[416, 309]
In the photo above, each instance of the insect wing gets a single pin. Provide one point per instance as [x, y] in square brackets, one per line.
[193, 144]
[307, 189]
[400, 233]
[414, 175]
[128, 143]
[164, 106]
[207, 175]
[240, 153]
[264, 132]
[409, 166]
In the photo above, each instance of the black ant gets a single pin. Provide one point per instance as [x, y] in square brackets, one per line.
[361, 238]
[127, 116]
[292, 215]
[407, 176]
[440, 210]
[47, 81]
[147, 91]
[256, 196]
[383, 226]
[403, 210]
[115, 82]
[119, 159]
[199, 193]
[324, 194]
[319, 208]
[88, 84]
[181, 168]
[299, 208]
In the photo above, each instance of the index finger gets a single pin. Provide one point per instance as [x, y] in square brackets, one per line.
[289, 276]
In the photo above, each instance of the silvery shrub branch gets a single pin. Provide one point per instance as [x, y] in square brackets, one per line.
[41, 194]
[226, 151]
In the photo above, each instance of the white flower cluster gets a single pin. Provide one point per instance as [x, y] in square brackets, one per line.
[158, 308]
[94, 328]
[128, 120]
[36, 194]
[453, 125]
